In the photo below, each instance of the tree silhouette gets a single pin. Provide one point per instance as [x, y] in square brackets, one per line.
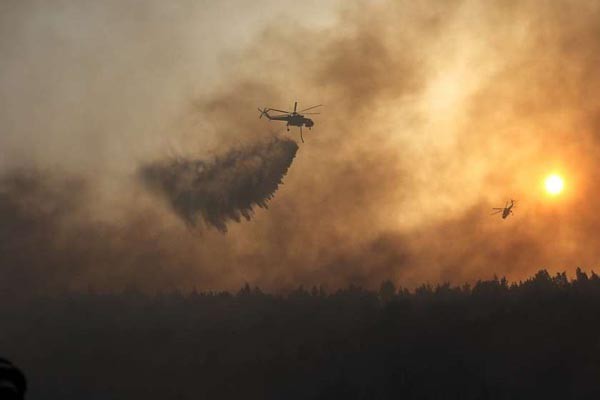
[491, 340]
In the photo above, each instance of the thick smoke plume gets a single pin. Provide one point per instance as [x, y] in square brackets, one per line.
[226, 188]
[434, 113]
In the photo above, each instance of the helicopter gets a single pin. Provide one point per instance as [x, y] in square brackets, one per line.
[293, 118]
[506, 211]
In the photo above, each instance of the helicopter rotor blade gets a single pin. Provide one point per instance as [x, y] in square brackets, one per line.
[281, 111]
[311, 113]
[310, 108]
[496, 212]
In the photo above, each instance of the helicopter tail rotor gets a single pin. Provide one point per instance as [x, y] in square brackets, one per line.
[263, 112]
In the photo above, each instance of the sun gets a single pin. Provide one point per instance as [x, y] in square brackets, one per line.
[554, 184]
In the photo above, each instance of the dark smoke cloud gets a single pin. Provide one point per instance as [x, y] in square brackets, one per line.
[226, 188]
[50, 241]
[434, 112]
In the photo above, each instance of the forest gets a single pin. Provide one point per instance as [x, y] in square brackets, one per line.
[494, 339]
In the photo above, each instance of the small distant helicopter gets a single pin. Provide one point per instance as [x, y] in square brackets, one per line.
[293, 118]
[506, 211]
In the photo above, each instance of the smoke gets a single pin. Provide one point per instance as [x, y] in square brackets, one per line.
[434, 113]
[226, 188]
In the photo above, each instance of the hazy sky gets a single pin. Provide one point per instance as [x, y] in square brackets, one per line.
[434, 113]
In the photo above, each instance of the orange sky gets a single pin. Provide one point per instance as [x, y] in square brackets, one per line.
[434, 113]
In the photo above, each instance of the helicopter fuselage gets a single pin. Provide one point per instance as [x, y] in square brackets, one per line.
[293, 120]
[507, 210]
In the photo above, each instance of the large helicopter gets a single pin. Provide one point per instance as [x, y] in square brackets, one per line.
[293, 118]
[506, 211]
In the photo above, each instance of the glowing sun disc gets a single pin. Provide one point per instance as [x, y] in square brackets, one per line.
[554, 184]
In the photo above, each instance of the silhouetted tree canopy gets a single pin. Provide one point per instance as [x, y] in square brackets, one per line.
[539, 338]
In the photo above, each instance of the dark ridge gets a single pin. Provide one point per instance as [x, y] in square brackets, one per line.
[493, 340]
[224, 189]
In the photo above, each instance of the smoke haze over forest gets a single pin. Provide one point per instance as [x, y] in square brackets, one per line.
[434, 113]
